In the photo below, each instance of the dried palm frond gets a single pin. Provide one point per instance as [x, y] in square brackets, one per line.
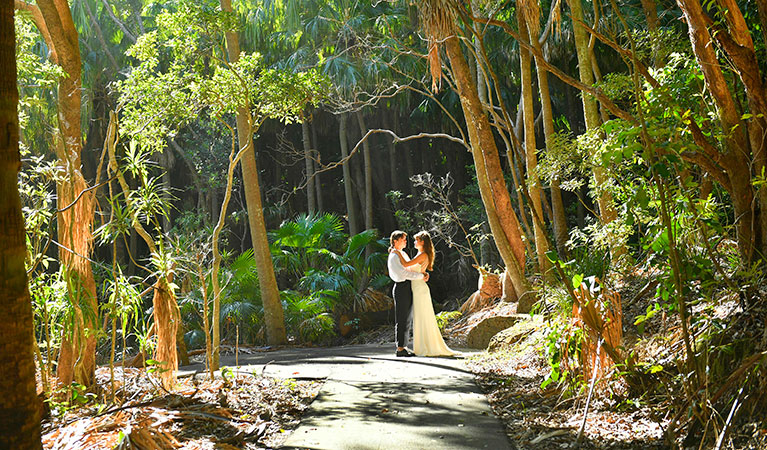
[373, 301]
[598, 317]
[556, 12]
[488, 291]
[438, 21]
[531, 13]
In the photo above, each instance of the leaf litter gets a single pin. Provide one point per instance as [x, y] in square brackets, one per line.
[240, 411]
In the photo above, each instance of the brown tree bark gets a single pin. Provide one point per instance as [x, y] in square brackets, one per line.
[77, 356]
[531, 157]
[736, 159]
[20, 408]
[274, 316]
[650, 8]
[559, 221]
[495, 196]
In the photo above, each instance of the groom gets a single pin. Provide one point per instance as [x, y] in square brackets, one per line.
[402, 293]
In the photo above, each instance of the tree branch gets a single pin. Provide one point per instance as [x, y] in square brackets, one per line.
[117, 21]
[37, 18]
[617, 111]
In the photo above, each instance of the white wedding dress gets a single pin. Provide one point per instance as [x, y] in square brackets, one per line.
[427, 340]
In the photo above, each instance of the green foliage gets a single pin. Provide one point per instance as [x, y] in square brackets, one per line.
[308, 316]
[560, 347]
[445, 317]
[37, 79]
[51, 311]
[186, 56]
[316, 255]
[302, 244]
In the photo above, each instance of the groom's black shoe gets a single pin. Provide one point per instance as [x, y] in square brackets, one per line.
[404, 352]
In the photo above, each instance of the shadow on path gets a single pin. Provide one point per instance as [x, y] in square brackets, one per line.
[372, 399]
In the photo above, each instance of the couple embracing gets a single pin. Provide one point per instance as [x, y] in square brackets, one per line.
[411, 293]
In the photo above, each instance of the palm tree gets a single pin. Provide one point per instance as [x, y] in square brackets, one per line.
[20, 407]
[301, 244]
[352, 273]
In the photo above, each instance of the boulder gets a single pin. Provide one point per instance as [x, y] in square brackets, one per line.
[480, 334]
[510, 336]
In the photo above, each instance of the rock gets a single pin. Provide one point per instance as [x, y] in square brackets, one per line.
[510, 336]
[480, 334]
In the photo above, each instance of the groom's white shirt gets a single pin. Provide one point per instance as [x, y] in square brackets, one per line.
[397, 272]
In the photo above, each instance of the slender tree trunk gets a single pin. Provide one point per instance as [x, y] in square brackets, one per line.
[311, 202]
[316, 163]
[166, 313]
[368, 172]
[20, 407]
[651, 14]
[485, 246]
[274, 316]
[100, 35]
[351, 213]
[234, 158]
[531, 158]
[559, 221]
[392, 147]
[591, 115]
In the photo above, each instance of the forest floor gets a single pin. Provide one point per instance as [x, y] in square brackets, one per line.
[236, 411]
[359, 394]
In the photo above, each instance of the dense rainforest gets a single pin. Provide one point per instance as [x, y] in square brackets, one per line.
[186, 177]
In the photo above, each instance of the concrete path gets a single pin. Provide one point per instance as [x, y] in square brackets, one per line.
[374, 400]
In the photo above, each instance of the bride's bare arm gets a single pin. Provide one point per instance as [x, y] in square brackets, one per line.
[420, 258]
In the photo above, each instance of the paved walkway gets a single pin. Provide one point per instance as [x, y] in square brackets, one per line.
[373, 400]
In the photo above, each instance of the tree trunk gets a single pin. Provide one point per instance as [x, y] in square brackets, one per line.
[495, 196]
[392, 147]
[736, 161]
[166, 313]
[531, 158]
[368, 172]
[316, 162]
[234, 158]
[274, 316]
[311, 203]
[651, 14]
[351, 212]
[20, 407]
[607, 211]
[77, 356]
[559, 221]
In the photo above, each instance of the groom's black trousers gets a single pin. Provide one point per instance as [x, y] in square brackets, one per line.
[403, 304]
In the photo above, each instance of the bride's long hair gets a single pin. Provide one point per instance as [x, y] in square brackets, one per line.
[427, 247]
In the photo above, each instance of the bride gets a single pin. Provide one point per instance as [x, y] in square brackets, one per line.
[427, 339]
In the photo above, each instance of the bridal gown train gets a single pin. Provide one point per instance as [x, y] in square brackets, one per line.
[427, 340]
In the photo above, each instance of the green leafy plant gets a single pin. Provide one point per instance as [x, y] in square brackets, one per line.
[445, 317]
